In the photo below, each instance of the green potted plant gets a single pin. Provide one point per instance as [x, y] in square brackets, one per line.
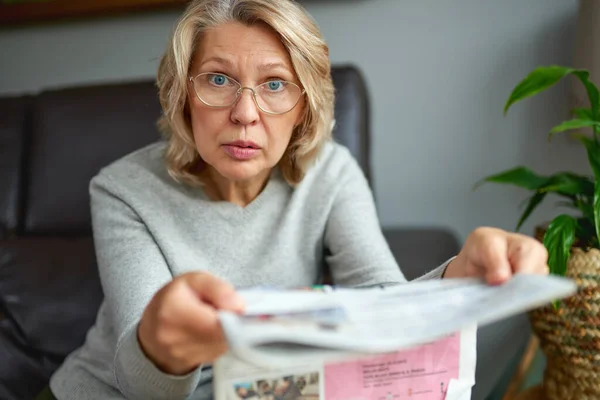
[569, 332]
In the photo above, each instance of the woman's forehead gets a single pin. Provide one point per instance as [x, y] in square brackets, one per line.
[232, 44]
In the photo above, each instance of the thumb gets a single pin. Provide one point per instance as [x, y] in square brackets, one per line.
[215, 291]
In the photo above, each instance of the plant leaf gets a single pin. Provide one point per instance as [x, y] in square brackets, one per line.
[573, 124]
[591, 89]
[597, 208]
[563, 183]
[583, 113]
[568, 184]
[534, 201]
[593, 152]
[543, 78]
[586, 207]
[537, 81]
[586, 234]
[519, 176]
[558, 240]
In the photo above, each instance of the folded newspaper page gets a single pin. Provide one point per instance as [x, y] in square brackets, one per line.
[338, 343]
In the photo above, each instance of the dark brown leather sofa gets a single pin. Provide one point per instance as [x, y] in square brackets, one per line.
[52, 143]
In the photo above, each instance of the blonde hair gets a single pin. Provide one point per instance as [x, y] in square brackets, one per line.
[309, 55]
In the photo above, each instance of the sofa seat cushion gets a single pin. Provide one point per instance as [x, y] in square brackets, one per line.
[49, 291]
[49, 294]
[24, 371]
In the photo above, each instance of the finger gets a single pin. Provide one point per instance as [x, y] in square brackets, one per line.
[215, 291]
[186, 312]
[527, 256]
[494, 260]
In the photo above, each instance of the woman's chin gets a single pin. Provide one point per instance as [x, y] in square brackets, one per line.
[244, 171]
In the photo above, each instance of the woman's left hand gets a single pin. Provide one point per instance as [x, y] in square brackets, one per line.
[495, 255]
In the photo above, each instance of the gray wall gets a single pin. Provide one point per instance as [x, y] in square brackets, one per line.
[439, 73]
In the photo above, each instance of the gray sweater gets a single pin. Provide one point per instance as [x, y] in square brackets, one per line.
[148, 229]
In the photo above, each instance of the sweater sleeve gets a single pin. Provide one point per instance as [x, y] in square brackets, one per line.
[132, 269]
[357, 252]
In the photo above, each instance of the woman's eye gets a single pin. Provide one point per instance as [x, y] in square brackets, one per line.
[275, 85]
[218, 80]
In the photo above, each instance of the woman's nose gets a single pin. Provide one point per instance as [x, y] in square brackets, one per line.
[245, 111]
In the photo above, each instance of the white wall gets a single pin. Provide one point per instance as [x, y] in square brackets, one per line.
[439, 72]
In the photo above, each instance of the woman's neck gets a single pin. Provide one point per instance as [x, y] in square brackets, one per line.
[240, 193]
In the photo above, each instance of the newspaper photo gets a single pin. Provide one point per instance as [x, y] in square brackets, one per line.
[407, 341]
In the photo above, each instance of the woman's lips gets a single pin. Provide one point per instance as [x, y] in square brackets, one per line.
[241, 151]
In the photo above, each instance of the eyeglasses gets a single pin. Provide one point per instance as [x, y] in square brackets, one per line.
[272, 97]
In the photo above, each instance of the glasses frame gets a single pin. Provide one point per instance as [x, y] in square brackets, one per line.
[241, 90]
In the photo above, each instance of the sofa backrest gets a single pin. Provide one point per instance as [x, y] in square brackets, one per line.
[14, 117]
[53, 143]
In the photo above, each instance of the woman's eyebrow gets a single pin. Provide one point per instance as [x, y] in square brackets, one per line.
[217, 60]
[273, 65]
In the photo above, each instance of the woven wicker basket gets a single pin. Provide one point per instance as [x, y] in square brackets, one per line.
[570, 336]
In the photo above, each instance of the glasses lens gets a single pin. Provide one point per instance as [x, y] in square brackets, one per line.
[216, 90]
[278, 97]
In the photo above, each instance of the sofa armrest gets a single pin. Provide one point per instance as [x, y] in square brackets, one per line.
[419, 250]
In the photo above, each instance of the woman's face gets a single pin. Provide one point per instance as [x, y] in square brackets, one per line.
[241, 142]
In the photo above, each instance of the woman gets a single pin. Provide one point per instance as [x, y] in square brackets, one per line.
[248, 190]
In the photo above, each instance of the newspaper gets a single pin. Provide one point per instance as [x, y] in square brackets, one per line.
[407, 341]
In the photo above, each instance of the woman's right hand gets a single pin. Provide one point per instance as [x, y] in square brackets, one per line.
[180, 328]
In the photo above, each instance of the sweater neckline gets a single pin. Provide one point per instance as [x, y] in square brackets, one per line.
[230, 210]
